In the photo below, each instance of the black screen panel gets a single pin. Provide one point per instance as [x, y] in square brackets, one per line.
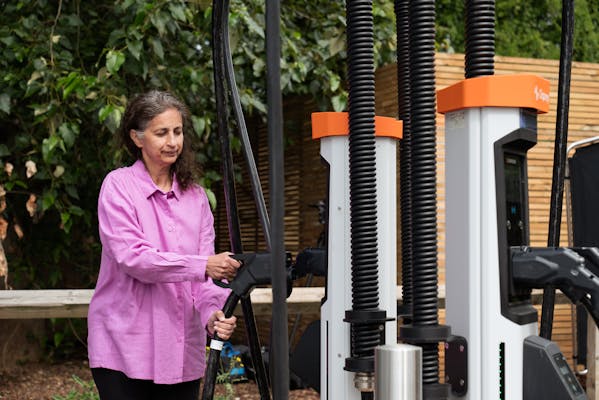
[584, 190]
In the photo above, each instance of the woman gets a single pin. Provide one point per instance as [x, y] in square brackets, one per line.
[155, 300]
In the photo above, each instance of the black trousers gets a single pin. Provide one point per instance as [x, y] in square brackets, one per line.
[115, 385]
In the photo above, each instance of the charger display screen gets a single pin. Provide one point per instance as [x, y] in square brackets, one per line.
[514, 197]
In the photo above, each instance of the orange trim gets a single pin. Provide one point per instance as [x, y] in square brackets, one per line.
[518, 91]
[337, 124]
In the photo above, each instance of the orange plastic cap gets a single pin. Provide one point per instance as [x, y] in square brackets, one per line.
[337, 124]
[517, 91]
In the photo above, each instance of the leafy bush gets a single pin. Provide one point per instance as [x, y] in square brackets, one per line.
[69, 68]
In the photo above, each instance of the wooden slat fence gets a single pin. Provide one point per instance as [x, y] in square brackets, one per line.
[306, 177]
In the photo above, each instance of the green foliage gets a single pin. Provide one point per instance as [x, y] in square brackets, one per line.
[524, 28]
[65, 339]
[85, 390]
[223, 379]
[69, 68]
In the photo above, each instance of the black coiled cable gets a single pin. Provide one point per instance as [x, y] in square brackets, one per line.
[424, 178]
[480, 38]
[424, 182]
[364, 245]
[405, 152]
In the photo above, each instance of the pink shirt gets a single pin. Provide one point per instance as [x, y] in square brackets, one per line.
[152, 300]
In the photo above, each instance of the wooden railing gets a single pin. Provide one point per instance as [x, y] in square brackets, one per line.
[74, 303]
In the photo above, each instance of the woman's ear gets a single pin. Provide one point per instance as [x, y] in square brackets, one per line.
[136, 138]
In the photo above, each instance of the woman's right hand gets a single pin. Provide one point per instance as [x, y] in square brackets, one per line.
[222, 266]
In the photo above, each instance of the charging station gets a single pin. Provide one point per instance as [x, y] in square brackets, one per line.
[332, 130]
[490, 123]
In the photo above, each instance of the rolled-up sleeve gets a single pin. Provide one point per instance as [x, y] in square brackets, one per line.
[122, 235]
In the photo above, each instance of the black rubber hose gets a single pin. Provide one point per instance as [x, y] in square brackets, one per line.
[424, 177]
[405, 153]
[214, 354]
[279, 331]
[243, 133]
[364, 243]
[480, 38]
[219, 15]
[219, 51]
[559, 154]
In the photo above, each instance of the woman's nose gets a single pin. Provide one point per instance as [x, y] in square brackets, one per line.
[170, 139]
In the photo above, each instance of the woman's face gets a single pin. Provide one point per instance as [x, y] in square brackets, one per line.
[162, 140]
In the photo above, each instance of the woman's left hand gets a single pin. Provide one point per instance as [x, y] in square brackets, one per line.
[223, 327]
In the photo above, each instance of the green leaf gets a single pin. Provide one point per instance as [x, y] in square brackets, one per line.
[68, 132]
[157, 46]
[16, 183]
[199, 124]
[73, 20]
[74, 84]
[8, 40]
[211, 198]
[115, 37]
[339, 103]
[258, 67]
[336, 44]
[177, 11]
[76, 210]
[58, 337]
[5, 102]
[64, 217]
[113, 119]
[48, 200]
[4, 150]
[39, 109]
[127, 3]
[48, 146]
[159, 20]
[114, 60]
[105, 112]
[135, 47]
[254, 26]
[334, 82]
[72, 191]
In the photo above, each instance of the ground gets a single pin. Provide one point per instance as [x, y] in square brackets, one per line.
[60, 381]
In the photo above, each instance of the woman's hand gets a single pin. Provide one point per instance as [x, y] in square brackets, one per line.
[222, 266]
[223, 327]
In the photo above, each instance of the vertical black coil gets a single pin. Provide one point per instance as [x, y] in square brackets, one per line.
[424, 183]
[364, 245]
[405, 152]
[480, 38]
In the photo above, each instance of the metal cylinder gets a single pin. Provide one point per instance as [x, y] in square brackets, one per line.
[398, 372]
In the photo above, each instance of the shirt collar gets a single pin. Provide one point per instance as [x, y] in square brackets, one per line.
[146, 183]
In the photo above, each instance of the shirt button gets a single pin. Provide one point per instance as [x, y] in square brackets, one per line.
[171, 228]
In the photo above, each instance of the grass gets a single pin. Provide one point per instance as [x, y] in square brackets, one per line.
[86, 391]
